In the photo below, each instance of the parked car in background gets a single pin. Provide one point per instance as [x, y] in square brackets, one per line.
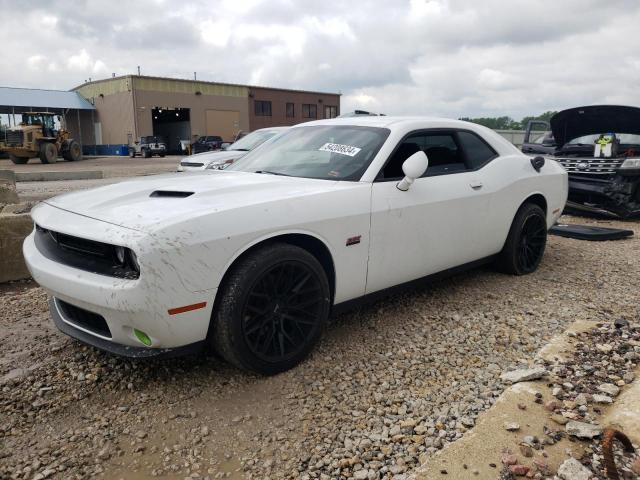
[148, 146]
[223, 158]
[251, 260]
[206, 144]
[599, 146]
[360, 113]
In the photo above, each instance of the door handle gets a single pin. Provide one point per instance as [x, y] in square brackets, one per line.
[476, 185]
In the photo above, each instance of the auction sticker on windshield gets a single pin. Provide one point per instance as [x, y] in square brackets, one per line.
[341, 149]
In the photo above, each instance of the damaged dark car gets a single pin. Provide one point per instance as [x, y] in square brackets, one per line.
[599, 146]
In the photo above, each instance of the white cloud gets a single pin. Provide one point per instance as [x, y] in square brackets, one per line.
[442, 57]
[215, 33]
[80, 62]
[36, 62]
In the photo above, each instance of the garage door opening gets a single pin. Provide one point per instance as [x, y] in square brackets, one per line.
[174, 125]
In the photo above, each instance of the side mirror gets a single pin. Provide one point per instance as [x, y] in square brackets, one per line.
[413, 167]
[225, 145]
[537, 163]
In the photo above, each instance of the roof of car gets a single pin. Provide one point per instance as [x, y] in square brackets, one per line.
[385, 121]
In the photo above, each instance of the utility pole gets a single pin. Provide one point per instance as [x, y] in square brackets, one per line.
[194, 76]
[138, 70]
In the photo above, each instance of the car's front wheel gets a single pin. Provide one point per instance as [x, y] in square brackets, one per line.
[525, 245]
[271, 309]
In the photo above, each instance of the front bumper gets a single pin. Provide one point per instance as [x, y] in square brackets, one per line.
[191, 168]
[67, 327]
[125, 304]
[615, 195]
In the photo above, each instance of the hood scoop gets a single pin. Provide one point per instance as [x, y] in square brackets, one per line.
[170, 194]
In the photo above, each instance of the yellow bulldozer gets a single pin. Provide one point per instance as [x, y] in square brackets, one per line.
[36, 136]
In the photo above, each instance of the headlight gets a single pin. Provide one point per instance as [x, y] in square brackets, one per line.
[631, 164]
[120, 255]
[133, 260]
[215, 166]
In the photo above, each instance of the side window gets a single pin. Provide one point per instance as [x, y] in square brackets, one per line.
[477, 151]
[440, 147]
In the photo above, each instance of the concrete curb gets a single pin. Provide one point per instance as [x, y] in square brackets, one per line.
[56, 176]
[483, 446]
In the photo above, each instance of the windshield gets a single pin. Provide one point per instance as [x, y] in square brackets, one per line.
[329, 152]
[625, 138]
[252, 140]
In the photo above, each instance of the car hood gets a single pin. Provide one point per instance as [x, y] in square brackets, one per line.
[214, 157]
[149, 203]
[577, 122]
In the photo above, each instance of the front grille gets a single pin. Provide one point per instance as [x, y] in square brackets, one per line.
[191, 164]
[83, 318]
[15, 137]
[597, 166]
[83, 254]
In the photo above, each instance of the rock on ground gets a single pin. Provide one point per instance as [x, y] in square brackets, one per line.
[572, 469]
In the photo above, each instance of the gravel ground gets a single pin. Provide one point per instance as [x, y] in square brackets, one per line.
[388, 386]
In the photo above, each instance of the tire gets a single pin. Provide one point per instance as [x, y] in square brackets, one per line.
[161, 155]
[132, 153]
[18, 160]
[48, 152]
[74, 152]
[526, 242]
[146, 153]
[267, 285]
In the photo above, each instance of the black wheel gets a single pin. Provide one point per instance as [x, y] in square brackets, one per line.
[272, 309]
[132, 152]
[526, 242]
[161, 155]
[146, 153]
[18, 160]
[74, 153]
[48, 152]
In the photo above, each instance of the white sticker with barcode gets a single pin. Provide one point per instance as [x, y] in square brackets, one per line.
[341, 149]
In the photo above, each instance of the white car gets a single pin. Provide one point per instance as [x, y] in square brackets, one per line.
[251, 260]
[222, 158]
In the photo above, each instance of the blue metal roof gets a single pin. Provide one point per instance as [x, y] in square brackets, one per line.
[31, 98]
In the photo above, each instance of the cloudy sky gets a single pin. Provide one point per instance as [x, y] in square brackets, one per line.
[438, 57]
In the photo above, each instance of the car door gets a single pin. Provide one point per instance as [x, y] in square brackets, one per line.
[538, 138]
[439, 223]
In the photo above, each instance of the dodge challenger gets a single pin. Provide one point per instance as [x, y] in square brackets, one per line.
[252, 260]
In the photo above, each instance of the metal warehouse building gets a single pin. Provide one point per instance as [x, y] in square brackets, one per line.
[132, 106]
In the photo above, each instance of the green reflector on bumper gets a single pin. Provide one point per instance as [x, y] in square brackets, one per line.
[143, 337]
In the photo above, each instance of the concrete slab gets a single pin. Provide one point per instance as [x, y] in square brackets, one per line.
[14, 227]
[626, 414]
[474, 454]
[58, 175]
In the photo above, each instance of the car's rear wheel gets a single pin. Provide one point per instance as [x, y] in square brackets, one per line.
[146, 153]
[525, 245]
[271, 310]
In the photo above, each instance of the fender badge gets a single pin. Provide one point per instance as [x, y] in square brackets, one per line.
[353, 240]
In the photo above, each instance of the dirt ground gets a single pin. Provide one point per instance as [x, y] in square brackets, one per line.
[110, 166]
[114, 169]
[388, 386]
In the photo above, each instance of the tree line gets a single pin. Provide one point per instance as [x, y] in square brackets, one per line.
[506, 122]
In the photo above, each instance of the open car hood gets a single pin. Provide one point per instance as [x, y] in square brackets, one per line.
[577, 122]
